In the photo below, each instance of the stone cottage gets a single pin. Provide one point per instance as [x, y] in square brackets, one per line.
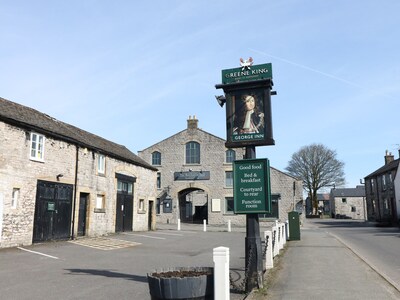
[195, 179]
[58, 181]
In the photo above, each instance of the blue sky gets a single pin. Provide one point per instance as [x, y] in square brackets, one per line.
[134, 71]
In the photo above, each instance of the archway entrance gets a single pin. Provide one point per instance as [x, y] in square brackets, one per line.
[193, 205]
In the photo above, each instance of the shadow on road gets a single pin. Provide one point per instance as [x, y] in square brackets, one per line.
[107, 273]
[369, 227]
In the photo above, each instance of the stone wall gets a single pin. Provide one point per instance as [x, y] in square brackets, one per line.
[212, 151]
[17, 171]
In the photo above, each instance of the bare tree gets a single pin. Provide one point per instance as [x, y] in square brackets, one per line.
[318, 167]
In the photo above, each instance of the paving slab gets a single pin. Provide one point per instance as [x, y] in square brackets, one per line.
[319, 266]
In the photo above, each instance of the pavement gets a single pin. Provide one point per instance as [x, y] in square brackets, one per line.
[320, 266]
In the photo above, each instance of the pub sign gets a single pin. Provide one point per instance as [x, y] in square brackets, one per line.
[248, 105]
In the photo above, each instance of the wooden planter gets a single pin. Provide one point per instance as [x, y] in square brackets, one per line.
[182, 283]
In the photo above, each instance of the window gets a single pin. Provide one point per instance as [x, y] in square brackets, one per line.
[229, 179]
[344, 200]
[125, 187]
[353, 209]
[101, 164]
[100, 204]
[372, 185]
[158, 206]
[192, 153]
[229, 205]
[15, 197]
[37, 146]
[230, 155]
[156, 158]
[141, 205]
[159, 180]
[384, 181]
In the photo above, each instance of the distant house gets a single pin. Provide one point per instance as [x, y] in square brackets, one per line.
[195, 180]
[383, 192]
[323, 204]
[58, 181]
[348, 203]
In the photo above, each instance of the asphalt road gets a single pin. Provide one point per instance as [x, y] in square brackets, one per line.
[377, 246]
[112, 268]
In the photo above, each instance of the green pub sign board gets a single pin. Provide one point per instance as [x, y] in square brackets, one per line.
[255, 72]
[251, 186]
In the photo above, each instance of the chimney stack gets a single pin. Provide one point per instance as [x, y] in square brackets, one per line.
[389, 157]
[192, 122]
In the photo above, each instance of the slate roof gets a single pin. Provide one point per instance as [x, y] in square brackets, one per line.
[358, 191]
[31, 119]
[393, 165]
[323, 197]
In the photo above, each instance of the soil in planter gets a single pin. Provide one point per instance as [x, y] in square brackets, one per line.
[180, 274]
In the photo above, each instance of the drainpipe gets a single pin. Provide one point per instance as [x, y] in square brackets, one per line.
[75, 187]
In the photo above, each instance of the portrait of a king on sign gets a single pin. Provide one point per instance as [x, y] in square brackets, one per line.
[249, 117]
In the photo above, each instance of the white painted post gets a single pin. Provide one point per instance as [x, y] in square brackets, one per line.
[179, 224]
[276, 246]
[229, 226]
[282, 236]
[269, 259]
[221, 273]
[279, 234]
[287, 230]
[205, 225]
[284, 233]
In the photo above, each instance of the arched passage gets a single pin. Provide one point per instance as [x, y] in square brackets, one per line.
[193, 205]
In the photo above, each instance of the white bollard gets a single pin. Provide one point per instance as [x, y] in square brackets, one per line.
[275, 241]
[281, 236]
[287, 230]
[205, 225]
[269, 259]
[284, 233]
[179, 224]
[221, 273]
[229, 226]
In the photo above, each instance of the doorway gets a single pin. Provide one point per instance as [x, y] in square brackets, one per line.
[83, 204]
[52, 211]
[150, 216]
[193, 205]
[124, 209]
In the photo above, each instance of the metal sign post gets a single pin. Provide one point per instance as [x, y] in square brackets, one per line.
[249, 124]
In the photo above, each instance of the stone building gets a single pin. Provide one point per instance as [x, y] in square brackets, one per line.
[195, 179]
[348, 203]
[58, 181]
[383, 192]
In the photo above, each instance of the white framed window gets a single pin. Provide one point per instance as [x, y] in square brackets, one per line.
[100, 203]
[37, 146]
[228, 179]
[15, 198]
[101, 164]
[230, 156]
